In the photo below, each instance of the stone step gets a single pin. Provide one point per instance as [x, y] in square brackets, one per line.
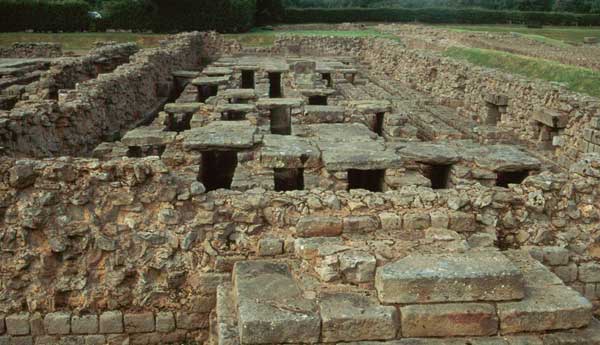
[226, 318]
[271, 307]
[477, 276]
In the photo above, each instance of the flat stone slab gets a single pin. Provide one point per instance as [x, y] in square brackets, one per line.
[551, 118]
[220, 134]
[217, 71]
[311, 247]
[325, 113]
[429, 153]
[499, 157]
[476, 276]
[270, 103]
[226, 320]
[145, 136]
[243, 108]
[186, 74]
[271, 307]
[545, 308]
[287, 151]
[338, 132]
[371, 106]
[449, 320]
[355, 317]
[238, 93]
[363, 156]
[183, 108]
[316, 92]
[202, 81]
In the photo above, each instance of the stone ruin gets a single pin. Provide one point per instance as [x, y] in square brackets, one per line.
[347, 191]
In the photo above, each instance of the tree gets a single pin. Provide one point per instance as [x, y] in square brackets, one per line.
[268, 11]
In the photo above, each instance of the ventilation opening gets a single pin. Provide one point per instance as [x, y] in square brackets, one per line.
[350, 77]
[281, 121]
[317, 100]
[233, 116]
[378, 128]
[247, 79]
[275, 85]
[327, 78]
[504, 178]
[179, 122]
[289, 179]
[218, 168]
[240, 101]
[139, 151]
[439, 175]
[371, 180]
[493, 114]
[206, 91]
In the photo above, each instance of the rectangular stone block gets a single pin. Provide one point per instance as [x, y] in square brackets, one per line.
[139, 322]
[84, 324]
[165, 322]
[354, 317]
[2, 325]
[477, 276]
[17, 324]
[317, 226]
[4, 340]
[36, 325]
[551, 118]
[225, 326]
[589, 272]
[191, 321]
[449, 320]
[271, 307]
[546, 308]
[23, 340]
[111, 322]
[58, 323]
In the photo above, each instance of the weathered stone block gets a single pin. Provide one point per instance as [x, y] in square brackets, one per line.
[354, 317]
[589, 272]
[318, 226]
[477, 276]
[165, 322]
[449, 320]
[4, 340]
[555, 256]
[117, 339]
[36, 325]
[416, 221]
[58, 323]
[551, 118]
[357, 266]
[17, 324]
[139, 323]
[84, 324]
[545, 308]
[111, 322]
[191, 321]
[23, 340]
[360, 224]
[260, 288]
[270, 247]
[2, 324]
[95, 339]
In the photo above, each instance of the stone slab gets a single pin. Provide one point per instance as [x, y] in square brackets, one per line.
[238, 94]
[551, 118]
[449, 320]
[363, 156]
[243, 108]
[475, 276]
[355, 317]
[286, 151]
[371, 106]
[217, 71]
[145, 136]
[226, 322]
[546, 308]
[220, 134]
[325, 113]
[183, 108]
[270, 103]
[211, 81]
[271, 307]
[319, 226]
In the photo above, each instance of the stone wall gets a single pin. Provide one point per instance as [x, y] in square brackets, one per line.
[468, 88]
[31, 50]
[99, 109]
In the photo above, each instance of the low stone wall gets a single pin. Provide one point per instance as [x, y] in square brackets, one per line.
[31, 50]
[102, 108]
[468, 88]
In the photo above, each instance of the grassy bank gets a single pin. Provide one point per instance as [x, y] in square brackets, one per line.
[572, 35]
[267, 38]
[78, 42]
[578, 79]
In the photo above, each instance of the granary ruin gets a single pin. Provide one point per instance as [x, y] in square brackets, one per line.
[322, 190]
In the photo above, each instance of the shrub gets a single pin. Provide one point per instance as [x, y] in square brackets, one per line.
[49, 15]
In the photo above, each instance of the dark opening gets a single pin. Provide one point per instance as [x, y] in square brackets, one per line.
[327, 78]
[289, 179]
[275, 85]
[371, 180]
[206, 91]
[378, 128]
[504, 178]
[247, 79]
[317, 100]
[239, 101]
[433, 73]
[281, 121]
[179, 122]
[350, 77]
[218, 168]
[439, 175]
[138, 151]
[233, 116]
[493, 114]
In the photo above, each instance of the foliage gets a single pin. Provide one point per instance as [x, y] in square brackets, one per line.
[578, 79]
[436, 15]
[269, 11]
[58, 15]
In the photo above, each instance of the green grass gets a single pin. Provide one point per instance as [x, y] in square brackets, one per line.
[572, 35]
[80, 41]
[267, 38]
[578, 79]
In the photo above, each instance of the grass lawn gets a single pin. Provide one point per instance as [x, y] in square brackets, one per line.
[578, 79]
[573, 35]
[79, 41]
[267, 38]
